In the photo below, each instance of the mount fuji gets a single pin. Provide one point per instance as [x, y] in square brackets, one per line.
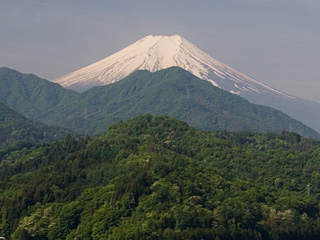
[155, 53]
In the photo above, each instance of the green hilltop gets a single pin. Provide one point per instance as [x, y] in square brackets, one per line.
[30, 95]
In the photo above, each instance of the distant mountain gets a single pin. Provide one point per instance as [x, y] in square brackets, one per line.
[154, 53]
[174, 92]
[16, 128]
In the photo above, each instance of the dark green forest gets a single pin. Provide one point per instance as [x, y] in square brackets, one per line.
[154, 177]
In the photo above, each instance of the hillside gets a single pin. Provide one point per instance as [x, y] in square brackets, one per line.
[172, 91]
[177, 93]
[30, 95]
[158, 178]
[15, 128]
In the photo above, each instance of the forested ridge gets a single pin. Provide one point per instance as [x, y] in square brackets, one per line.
[154, 177]
[173, 91]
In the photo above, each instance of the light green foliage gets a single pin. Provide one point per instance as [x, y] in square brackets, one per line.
[156, 178]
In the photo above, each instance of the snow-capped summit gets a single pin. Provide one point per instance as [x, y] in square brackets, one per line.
[154, 53]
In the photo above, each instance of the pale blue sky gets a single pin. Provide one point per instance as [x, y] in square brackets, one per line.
[276, 42]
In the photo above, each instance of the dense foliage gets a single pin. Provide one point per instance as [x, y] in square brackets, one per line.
[158, 178]
[172, 91]
[16, 129]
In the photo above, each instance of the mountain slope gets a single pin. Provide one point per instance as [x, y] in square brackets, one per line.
[154, 177]
[177, 93]
[30, 95]
[15, 128]
[153, 53]
[303, 110]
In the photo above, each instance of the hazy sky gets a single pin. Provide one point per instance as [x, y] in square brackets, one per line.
[276, 42]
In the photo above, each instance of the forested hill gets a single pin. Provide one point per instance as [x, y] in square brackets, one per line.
[30, 95]
[157, 178]
[15, 129]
